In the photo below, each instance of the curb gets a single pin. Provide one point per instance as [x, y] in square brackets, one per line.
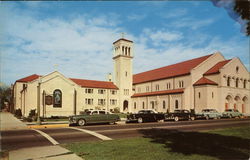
[48, 126]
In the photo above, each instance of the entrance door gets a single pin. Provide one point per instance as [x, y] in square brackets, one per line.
[125, 105]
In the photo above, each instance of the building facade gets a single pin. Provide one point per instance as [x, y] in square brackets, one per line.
[206, 82]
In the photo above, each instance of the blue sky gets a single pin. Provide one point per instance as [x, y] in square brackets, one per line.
[78, 36]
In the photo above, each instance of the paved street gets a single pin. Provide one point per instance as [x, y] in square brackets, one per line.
[17, 139]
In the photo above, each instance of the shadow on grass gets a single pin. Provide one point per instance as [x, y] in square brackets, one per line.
[206, 144]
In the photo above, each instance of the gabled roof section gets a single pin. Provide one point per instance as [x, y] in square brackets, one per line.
[123, 40]
[216, 68]
[204, 81]
[29, 78]
[178, 69]
[174, 91]
[94, 83]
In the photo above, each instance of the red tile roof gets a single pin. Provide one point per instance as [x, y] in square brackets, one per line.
[216, 68]
[29, 78]
[204, 81]
[175, 91]
[179, 69]
[94, 83]
[81, 82]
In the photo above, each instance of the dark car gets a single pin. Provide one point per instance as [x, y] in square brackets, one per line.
[180, 114]
[145, 116]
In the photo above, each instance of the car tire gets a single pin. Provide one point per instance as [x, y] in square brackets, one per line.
[112, 123]
[140, 120]
[176, 119]
[81, 122]
[192, 118]
[207, 117]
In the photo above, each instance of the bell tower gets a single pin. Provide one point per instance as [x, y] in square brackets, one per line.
[123, 74]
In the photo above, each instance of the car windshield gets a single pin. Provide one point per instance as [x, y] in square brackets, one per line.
[177, 111]
[101, 112]
[228, 110]
[88, 112]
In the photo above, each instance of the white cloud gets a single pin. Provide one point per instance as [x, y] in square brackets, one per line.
[191, 23]
[160, 37]
[82, 47]
[175, 13]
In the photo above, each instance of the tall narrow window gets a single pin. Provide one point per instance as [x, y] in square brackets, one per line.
[57, 98]
[134, 105]
[237, 82]
[143, 105]
[176, 104]
[244, 83]
[152, 104]
[212, 94]
[199, 94]
[228, 81]
[163, 104]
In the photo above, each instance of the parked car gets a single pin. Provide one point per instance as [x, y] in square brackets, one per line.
[210, 113]
[145, 116]
[180, 114]
[231, 113]
[93, 116]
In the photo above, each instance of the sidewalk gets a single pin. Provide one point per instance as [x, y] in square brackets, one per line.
[43, 153]
[52, 152]
[9, 122]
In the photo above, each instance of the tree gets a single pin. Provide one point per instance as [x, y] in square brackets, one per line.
[5, 95]
[242, 7]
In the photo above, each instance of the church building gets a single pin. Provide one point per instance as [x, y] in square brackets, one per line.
[208, 82]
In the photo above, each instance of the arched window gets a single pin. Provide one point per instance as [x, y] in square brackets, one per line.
[134, 105]
[237, 69]
[176, 104]
[122, 49]
[237, 82]
[163, 104]
[129, 51]
[228, 81]
[57, 98]
[199, 94]
[143, 105]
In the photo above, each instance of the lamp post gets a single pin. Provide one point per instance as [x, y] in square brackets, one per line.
[38, 101]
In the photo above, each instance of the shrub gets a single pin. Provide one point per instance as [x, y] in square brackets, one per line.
[18, 113]
[116, 110]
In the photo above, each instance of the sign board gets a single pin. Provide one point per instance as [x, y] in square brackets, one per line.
[48, 100]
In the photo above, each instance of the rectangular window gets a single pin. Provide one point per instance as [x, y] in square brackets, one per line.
[113, 101]
[101, 101]
[157, 87]
[89, 101]
[126, 91]
[88, 90]
[139, 89]
[101, 91]
[113, 92]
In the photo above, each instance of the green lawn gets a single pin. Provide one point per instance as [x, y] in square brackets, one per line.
[162, 144]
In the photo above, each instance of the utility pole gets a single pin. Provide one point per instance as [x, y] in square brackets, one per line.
[38, 101]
